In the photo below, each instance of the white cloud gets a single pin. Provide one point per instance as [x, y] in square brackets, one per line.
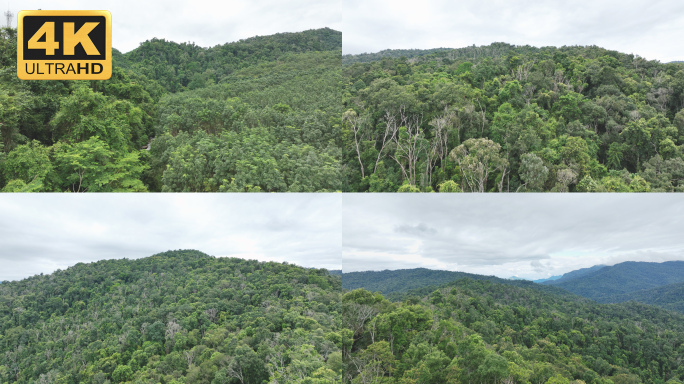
[646, 28]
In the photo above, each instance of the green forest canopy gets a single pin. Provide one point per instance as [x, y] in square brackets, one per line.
[186, 317]
[281, 113]
[477, 331]
[260, 114]
[174, 317]
[513, 118]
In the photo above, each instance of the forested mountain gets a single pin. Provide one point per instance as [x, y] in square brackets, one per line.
[397, 283]
[669, 297]
[188, 66]
[175, 317]
[574, 274]
[402, 280]
[514, 118]
[261, 114]
[474, 331]
[606, 282]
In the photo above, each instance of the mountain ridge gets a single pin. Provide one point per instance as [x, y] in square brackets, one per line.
[622, 278]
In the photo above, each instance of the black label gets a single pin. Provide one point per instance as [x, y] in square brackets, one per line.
[31, 25]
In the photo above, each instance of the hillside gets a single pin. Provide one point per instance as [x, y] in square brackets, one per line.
[188, 66]
[623, 278]
[572, 118]
[574, 274]
[175, 317]
[402, 280]
[261, 114]
[483, 332]
[670, 297]
[397, 284]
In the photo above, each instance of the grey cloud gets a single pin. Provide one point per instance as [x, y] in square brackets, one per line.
[537, 266]
[418, 230]
[43, 232]
[529, 235]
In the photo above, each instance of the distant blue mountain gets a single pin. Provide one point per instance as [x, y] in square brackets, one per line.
[605, 283]
[574, 274]
[555, 277]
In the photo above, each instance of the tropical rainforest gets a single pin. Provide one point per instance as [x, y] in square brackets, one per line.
[485, 332]
[260, 114]
[283, 113]
[508, 118]
[175, 317]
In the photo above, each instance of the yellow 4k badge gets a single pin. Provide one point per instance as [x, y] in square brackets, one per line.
[64, 45]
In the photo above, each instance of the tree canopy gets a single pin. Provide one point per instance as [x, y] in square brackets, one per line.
[479, 331]
[513, 118]
[174, 317]
[260, 114]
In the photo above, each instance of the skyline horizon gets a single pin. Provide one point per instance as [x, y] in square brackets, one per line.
[679, 60]
[206, 23]
[513, 277]
[161, 252]
[629, 28]
[46, 232]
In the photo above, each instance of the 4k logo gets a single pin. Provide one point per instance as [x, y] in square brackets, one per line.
[64, 45]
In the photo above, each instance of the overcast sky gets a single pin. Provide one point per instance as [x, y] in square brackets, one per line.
[649, 28]
[40, 233]
[205, 22]
[530, 236]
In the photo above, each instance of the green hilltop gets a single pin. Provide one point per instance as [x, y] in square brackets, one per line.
[174, 317]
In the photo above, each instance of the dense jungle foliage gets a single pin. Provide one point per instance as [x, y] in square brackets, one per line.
[175, 317]
[513, 118]
[261, 114]
[480, 332]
